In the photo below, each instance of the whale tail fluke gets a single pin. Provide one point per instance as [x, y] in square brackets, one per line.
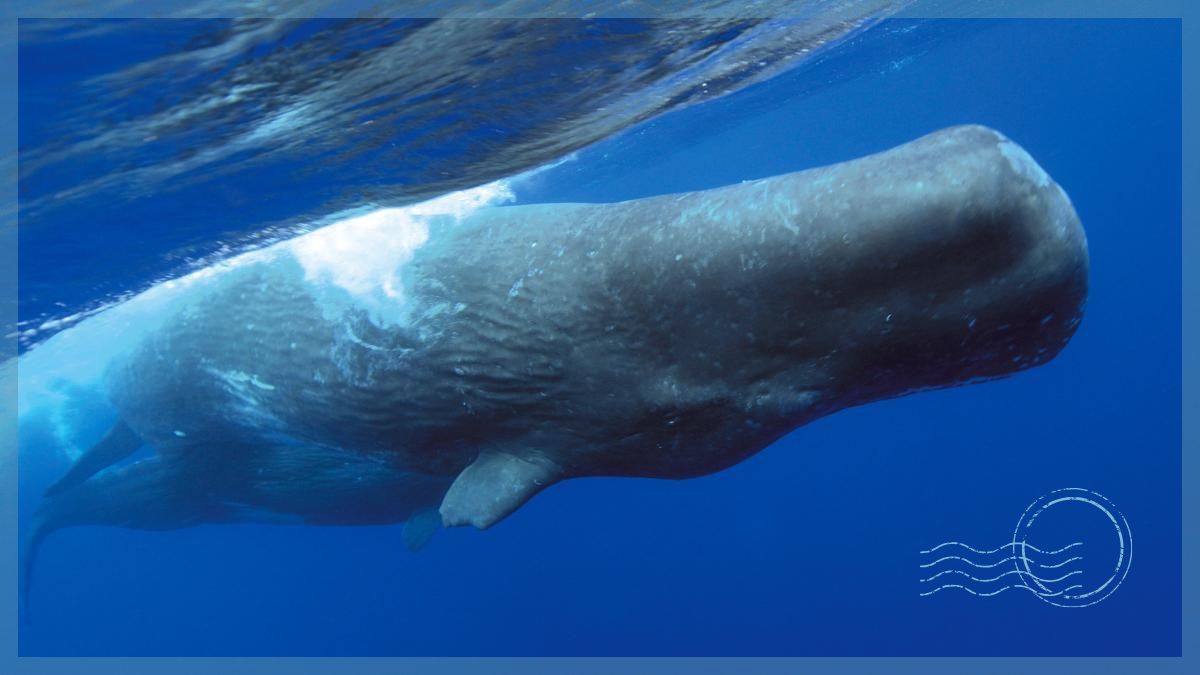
[38, 532]
[119, 443]
[146, 494]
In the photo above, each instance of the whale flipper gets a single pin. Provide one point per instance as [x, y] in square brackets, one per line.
[420, 528]
[493, 486]
[120, 442]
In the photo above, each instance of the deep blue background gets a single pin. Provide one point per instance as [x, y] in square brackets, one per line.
[810, 548]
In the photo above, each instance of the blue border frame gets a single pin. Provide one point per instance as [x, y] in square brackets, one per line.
[11, 663]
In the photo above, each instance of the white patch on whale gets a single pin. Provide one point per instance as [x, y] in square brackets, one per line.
[358, 256]
[363, 255]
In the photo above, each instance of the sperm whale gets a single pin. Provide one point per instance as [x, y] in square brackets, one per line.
[666, 337]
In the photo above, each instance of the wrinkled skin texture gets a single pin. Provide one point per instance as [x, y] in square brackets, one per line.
[667, 337]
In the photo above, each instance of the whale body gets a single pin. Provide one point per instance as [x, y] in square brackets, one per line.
[665, 337]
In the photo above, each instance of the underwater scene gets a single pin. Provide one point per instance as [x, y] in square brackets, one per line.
[833, 333]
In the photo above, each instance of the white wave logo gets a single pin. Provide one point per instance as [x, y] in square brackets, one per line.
[1058, 575]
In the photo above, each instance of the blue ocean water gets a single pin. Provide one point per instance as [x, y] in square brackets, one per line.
[812, 547]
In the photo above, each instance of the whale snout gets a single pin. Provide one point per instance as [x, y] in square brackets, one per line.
[1026, 309]
[965, 260]
[1052, 276]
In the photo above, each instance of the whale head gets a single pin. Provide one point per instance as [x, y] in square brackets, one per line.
[762, 306]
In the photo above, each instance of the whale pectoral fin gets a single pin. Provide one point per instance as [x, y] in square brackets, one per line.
[420, 528]
[493, 486]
